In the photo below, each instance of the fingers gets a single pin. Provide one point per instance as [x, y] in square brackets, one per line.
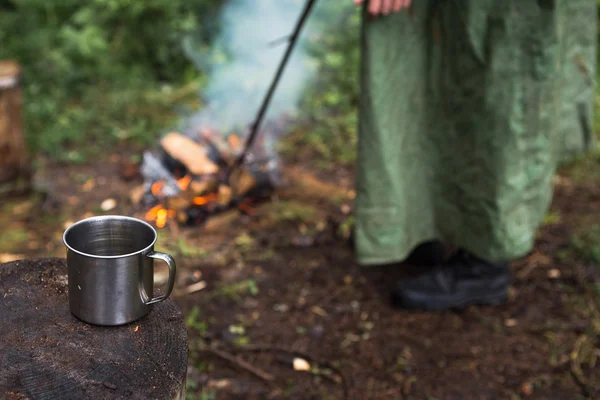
[375, 6]
[386, 6]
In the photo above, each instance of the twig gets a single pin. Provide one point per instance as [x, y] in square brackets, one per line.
[575, 367]
[257, 348]
[329, 296]
[265, 376]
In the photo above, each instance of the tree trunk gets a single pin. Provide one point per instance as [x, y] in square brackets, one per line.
[14, 163]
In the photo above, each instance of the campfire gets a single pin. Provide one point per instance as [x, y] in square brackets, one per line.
[190, 177]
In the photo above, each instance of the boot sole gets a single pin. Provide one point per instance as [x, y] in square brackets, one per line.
[426, 304]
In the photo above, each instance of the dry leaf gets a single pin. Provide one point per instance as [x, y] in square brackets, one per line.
[88, 185]
[539, 259]
[196, 287]
[527, 389]
[319, 311]
[301, 364]
[108, 204]
[345, 209]
[509, 323]
[554, 273]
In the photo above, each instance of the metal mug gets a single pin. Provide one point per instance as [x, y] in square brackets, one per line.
[110, 262]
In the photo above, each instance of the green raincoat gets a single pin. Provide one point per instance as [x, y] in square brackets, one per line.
[467, 107]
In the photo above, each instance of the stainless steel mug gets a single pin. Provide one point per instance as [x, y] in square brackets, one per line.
[110, 262]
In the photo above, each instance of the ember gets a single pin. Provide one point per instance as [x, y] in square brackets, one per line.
[185, 179]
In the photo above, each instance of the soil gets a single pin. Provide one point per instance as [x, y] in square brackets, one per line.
[286, 312]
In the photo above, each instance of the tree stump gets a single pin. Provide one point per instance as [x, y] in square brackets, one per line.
[14, 163]
[47, 353]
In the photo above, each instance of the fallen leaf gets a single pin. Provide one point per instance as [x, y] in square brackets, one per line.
[196, 287]
[509, 323]
[88, 185]
[23, 208]
[539, 259]
[319, 311]
[554, 273]
[108, 204]
[301, 364]
[527, 389]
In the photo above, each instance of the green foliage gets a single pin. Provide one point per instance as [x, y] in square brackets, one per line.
[193, 321]
[94, 70]
[99, 72]
[332, 101]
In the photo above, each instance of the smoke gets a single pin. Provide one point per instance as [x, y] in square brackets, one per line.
[236, 87]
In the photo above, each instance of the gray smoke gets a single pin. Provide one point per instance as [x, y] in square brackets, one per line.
[235, 88]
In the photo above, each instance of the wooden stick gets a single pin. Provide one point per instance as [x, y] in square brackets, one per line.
[265, 376]
[266, 348]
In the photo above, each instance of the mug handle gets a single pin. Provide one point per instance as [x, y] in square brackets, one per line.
[172, 268]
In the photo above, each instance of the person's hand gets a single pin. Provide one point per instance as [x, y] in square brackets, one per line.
[377, 7]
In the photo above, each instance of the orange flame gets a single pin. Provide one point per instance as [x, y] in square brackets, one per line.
[202, 200]
[159, 215]
[153, 212]
[157, 188]
[184, 182]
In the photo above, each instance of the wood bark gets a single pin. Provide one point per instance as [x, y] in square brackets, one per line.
[46, 353]
[14, 163]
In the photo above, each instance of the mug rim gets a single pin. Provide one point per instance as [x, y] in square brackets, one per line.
[104, 218]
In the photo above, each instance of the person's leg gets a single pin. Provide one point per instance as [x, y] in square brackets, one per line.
[498, 95]
[394, 206]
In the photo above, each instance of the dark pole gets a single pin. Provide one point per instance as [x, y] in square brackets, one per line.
[293, 38]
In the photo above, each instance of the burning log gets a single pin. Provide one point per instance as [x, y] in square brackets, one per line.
[186, 181]
[189, 153]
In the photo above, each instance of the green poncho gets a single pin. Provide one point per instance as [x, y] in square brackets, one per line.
[467, 106]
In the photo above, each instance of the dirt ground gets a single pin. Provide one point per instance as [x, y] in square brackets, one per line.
[277, 308]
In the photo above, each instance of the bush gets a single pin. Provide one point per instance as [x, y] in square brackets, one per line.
[97, 72]
[331, 103]
[92, 69]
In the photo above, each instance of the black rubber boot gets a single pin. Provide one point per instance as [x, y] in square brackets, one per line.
[427, 254]
[462, 281]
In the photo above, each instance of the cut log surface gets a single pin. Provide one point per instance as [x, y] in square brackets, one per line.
[47, 353]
